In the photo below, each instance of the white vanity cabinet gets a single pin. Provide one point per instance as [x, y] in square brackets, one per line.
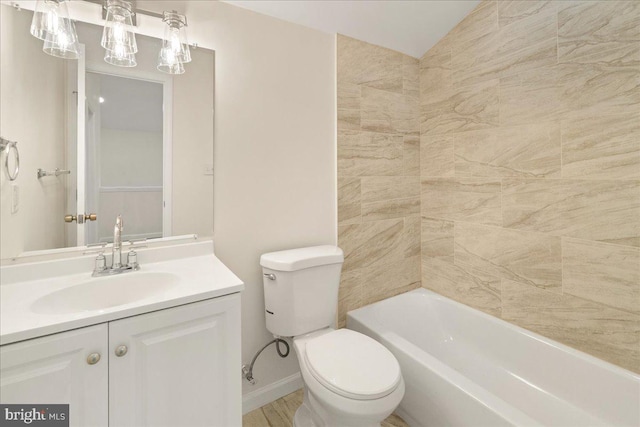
[172, 367]
[56, 369]
[180, 367]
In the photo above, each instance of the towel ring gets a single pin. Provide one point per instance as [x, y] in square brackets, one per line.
[11, 147]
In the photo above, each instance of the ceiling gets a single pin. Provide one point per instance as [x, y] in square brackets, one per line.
[410, 27]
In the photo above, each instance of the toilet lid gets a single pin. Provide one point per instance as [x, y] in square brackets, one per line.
[352, 364]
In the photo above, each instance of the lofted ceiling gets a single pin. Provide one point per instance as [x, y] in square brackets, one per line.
[410, 27]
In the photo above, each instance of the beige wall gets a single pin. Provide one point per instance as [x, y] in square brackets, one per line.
[530, 169]
[378, 173]
[274, 156]
[28, 83]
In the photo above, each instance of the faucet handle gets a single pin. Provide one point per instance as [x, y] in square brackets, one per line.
[132, 260]
[101, 263]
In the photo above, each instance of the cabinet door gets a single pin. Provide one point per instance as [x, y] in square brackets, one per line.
[55, 369]
[180, 368]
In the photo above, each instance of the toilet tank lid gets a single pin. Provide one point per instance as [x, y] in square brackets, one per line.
[297, 259]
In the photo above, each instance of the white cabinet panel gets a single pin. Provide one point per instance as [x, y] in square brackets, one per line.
[54, 369]
[181, 367]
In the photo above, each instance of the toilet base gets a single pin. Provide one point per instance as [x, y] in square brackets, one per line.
[305, 416]
[302, 418]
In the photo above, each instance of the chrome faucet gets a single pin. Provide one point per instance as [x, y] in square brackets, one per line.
[117, 267]
[116, 252]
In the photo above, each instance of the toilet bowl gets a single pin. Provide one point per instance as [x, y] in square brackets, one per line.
[350, 379]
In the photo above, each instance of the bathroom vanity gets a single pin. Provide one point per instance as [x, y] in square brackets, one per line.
[154, 347]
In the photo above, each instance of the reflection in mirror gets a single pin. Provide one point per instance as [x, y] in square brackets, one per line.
[144, 146]
[124, 156]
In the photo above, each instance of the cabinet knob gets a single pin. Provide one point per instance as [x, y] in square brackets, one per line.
[121, 350]
[93, 358]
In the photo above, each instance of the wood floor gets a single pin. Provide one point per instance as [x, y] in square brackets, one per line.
[280, 414]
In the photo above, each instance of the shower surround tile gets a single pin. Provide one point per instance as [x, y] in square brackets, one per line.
[348, 120]
[378, 173]
[349, 200]
[588, 27]
[385, 188]
[606, 211]
[462, 109]
[436, 81]
[396, 208]
[370, 243]
[468, 286]
[528, 151]
[602, 147]
[606, 82]
[437, 238]
[387, 112]
[530, 97]
[510, 11]
[605, 332]
[603, 273]
[369, 154]
[524, 45]
[437, 156]
[462, 199]
[349, 295]
[481, 21]
[531, 258]
[348, 96]
[385, 281]
[411, 155]
[411, 76]
[369, 65]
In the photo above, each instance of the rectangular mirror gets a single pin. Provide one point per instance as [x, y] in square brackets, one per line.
[135, 141]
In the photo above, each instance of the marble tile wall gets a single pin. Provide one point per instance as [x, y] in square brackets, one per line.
[529, 171]
[378, 173]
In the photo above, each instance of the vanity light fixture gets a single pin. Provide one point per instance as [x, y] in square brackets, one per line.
[175, 46]
[51, 23]
[118, 36]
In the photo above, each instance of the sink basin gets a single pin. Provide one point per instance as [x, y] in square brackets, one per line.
[105, 292]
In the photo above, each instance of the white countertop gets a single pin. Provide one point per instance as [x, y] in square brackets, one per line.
[200, 276]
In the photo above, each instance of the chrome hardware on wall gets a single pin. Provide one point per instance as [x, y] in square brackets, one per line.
[82, 218]
[57, 172]
[10, 147]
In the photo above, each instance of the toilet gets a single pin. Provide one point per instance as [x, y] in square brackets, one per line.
[350, 380]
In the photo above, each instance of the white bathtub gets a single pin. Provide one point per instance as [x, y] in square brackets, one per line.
[462, 367]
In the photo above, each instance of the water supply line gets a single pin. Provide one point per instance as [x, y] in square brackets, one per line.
[247, 373]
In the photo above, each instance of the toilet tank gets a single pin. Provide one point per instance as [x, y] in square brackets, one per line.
[301, 289]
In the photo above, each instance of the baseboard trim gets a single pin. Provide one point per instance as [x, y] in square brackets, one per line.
[274, 391]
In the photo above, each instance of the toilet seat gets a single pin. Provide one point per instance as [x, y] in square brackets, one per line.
[352, 365]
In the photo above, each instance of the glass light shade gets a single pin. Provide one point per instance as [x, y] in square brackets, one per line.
[62, 46]
[120, 58]
[175, 36]
[50, 18]
[168, 62]
[118, 33]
